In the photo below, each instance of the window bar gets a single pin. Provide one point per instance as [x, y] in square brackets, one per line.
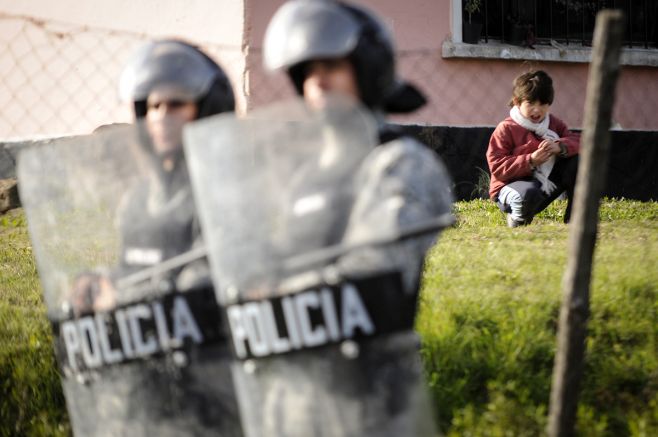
[599, 8]
[582, 29]
[502, 21]
[486, 21]
[646, 25]
[536, 30]
[614, 6]
[550, 17]
[630, 23]
[567, 24]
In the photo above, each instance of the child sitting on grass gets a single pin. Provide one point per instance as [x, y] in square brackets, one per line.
[532, 155]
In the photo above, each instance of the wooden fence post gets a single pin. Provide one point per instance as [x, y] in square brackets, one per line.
[595, 144]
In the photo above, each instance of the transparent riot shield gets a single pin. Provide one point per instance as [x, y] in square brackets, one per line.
[319, 310]
[139, 354]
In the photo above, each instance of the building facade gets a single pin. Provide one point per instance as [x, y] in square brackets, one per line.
[61, 60]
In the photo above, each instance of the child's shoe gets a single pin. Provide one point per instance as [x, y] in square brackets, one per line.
[513, 222]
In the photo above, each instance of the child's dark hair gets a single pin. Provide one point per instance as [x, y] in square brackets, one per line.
[533, 86]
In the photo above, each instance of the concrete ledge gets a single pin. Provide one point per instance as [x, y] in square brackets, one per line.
[7, 160]
[631, 170]
[9, 152]
[557, 53]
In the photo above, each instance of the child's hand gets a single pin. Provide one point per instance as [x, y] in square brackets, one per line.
[541, 155]
[551, 145]
[547, 148]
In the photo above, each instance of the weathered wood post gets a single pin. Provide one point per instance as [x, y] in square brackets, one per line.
[595, 143]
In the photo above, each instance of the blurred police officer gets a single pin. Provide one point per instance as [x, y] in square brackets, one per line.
[181, 383]
[372, 387]
[331, 48]
[169, 83]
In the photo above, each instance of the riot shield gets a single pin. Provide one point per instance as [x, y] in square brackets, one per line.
[137, 356]
[320, 318]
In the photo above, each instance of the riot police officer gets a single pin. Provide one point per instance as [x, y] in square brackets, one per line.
[372, 387]
[347, 51]
[164, 367]
[168, 83]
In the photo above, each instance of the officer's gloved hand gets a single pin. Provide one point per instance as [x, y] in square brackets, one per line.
[92, 292]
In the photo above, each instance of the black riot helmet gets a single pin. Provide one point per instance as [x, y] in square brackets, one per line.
[174, 62]
[306, 30]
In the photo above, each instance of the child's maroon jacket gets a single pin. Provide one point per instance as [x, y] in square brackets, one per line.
[510, 146]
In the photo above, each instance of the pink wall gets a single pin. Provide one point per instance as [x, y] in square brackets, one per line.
[461, 91]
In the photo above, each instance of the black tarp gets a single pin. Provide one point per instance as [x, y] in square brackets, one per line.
[632, 169]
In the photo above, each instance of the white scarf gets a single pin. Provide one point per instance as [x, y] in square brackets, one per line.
[543, 171]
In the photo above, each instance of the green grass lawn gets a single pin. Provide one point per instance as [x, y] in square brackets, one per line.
[487, 319]
[31, 400]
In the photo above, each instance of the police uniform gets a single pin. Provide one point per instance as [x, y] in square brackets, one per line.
[157, 219]
[372, 387]
[156, 364]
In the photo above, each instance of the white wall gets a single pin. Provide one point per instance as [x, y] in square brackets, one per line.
[212, 21]
[60, 60]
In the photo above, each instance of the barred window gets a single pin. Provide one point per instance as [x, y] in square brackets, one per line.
[567, 22]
